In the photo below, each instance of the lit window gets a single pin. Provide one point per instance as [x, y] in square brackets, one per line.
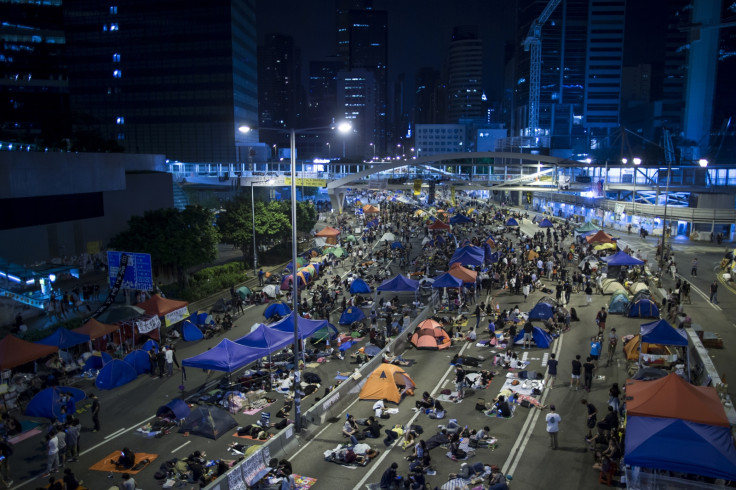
[113, 27]
[120, 120]
[113, 10]
[117, 74]
[121, 136]
[116, 58]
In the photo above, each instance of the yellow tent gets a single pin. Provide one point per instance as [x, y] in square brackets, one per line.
[631, 349]
[605, 246]
[383, 383]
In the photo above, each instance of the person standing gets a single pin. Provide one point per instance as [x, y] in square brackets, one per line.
[673, 269]
[152, 362]
[52, 461]
[161, 362]
[553, 426]
[260, 277]
[714, 292]
[575, 376]
[95, 412]
[591, 417]
[601, 318]
[551, 371]
[588, 367]
[595, 350]
[528, 330]
[694, 267]
[459, 382]
[170, 361]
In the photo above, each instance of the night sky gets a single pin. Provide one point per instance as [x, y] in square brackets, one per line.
[419, 31]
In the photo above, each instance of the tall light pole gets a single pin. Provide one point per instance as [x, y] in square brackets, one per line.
[374, 150]
[343, 128]
[637, 162]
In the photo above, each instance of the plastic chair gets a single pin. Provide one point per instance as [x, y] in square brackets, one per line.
[607, 476]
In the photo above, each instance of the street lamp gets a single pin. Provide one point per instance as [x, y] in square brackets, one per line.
[637, 161]
[399, 145]
[343, 128]
[374, 150]
[703, 163]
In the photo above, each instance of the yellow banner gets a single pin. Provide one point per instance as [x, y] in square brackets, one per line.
[452, 195]
[307, 182]
[417, 187]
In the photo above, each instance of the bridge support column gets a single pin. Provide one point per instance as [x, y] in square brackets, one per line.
[337, 198]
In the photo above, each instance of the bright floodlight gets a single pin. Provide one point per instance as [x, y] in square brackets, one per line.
[244, 129]
[344, 127]
[703, 162]
[588, 160]
[637, 161]
[625, 161]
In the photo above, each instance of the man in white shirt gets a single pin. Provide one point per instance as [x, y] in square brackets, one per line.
[52, 463]
[553, 427]
[379, 409]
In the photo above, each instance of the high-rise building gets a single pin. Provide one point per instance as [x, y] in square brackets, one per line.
[34, 94]
[465, 74]
[604, 62]
[279, 85]
[322, 105]
[169, 77]
[430, 97]
[356, 101]
[362, 44]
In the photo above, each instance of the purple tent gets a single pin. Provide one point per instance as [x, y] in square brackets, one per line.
[226, 356]
[622, 258]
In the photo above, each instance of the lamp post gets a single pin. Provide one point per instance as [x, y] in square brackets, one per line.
[343, 128]
[374, 150]
[637, 162]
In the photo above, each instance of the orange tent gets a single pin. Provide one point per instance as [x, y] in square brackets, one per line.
[631, 349]
[674, 398]
[329, 233]
[439, 225]
[431, 339]
[158, 306]
[600, 237]
[95, 329]
[465, 275]
[429, 323]
[15, 351]
[370, 209]
[383, 383]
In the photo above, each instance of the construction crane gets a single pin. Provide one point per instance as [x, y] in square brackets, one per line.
[533, 44]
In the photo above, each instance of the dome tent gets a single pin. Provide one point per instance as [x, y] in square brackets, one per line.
[431, 338]
[48, 403]
[382, 383]
[208, 421]
[115, 373]
[190, 332]
[619, 303]
[139, 360]
[541, 338]
[643, 308]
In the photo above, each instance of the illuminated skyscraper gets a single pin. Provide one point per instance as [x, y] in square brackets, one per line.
[465, 75]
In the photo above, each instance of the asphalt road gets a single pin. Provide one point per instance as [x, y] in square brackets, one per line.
[522, 450]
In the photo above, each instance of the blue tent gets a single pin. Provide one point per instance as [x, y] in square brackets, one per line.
[372, 223]
[115, 373]
[327, 331]
[447, 280]
[494, 257]
[466, 257]
[63, 339]
[267, 338]
[97, 362]
[350, 315]
[359, 286]
[139, 360]
[619, 303]
[399, 284]
[305, 327]
[622, 258]
[190, 332]
[661, 332]
[280, 309]
[150, 343]
[545, 223]
[204, 318]
[541, 311]
[512, 222]
[396, 245]
[680, 446]
[541, 338]
[643, 308]
[176, 409]
[47, 403]
[226, 356]
[460, 219]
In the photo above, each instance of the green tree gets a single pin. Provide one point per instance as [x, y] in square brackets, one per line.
[174, 238]
[306, 217]
[236, 225]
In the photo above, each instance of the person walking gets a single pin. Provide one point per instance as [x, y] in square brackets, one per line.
[714, 292]
[601, 318]
[52, 461]
[575, 376]
[528, 335]
[551, 371]
[588, 368]
[95, 412]
[673, 269]
[553, 426]
[694, 267]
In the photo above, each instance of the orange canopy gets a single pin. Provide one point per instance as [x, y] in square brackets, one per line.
[159, 306]
[327, 231]
[465, 275]
[674, 398]
[15, 351]
[600, 237]
[370, 209]
[439, 225]
[95, 329]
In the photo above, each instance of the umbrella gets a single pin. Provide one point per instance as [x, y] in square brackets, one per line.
[280, 309]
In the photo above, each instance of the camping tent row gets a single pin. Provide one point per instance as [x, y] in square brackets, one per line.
[304, 276]
[229, 356]
[678, 427]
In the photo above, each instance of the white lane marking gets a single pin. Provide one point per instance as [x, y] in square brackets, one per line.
[705, 297]
[114, 434]
[377, 464]
[118, 434]
[175, 450]
[525, 434]
[327, 426]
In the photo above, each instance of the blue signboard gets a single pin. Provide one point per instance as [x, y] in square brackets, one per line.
[138, 273]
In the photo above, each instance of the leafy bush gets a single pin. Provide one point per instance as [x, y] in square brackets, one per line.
[212, 280]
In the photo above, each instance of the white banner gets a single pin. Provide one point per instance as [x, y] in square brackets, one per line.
[147, 325]
[176, 316]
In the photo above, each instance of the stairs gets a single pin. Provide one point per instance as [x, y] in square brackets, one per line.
[180, 198]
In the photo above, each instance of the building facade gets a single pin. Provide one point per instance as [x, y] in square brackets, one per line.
[465, 75]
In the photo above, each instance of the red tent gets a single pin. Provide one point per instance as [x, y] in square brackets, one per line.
[159, 306]
[329, 233]
[600, 237]
[439, 225]
[465, 275]
[15, 351]
[673, 397]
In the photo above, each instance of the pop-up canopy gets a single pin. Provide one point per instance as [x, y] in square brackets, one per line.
[226, 356]
[399, 284]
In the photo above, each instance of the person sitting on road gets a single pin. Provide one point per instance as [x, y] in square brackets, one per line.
[373, 430]
[379, 410]
[437, 411]
[350, 429]
[426, 402]
[126, 460]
